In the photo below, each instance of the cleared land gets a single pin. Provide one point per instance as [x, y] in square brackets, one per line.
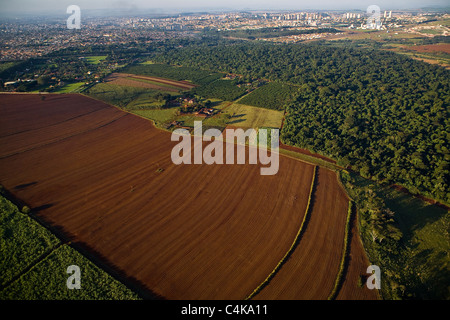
[70, 87]
[185, 232]
[438, 53]
[311, 271]
[244, 116]
[105, 179]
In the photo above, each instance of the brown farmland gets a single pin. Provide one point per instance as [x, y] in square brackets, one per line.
[125, 79]
[311, 271]
[438, 47]
[105, 178]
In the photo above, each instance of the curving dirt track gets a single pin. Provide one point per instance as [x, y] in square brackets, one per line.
[306, 152]
[357, 266]
[106, 179]
[311, 271]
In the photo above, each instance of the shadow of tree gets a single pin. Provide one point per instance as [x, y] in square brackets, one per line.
[236, 121]
[25, 185]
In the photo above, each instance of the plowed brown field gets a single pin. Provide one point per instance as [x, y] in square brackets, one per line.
[311, 271]
[439, 47]
[105, 178]
[190, 232]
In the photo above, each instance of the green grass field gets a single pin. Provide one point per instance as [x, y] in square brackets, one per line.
[437, 31]
[70, 87]
[6, 65]
[143, 102]
[253, 117]
[122, 96]
[418, 265]
[95, 59]
[425, 229]
[160, 116]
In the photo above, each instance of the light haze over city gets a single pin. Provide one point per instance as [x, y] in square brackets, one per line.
[52, 6]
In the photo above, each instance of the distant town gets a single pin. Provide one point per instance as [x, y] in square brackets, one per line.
[26, 38]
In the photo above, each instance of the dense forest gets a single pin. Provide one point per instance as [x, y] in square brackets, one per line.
[380, 113]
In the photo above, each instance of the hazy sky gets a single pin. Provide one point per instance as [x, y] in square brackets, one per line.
[42, 6]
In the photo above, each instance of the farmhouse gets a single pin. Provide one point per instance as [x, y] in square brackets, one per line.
[204, 112]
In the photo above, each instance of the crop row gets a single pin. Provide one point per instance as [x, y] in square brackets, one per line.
[345, 251]
[294, 243]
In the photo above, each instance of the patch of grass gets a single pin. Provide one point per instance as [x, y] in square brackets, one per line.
[160, 116]
[418, 265]
[120, 96]
[425, 229]
[218, 121]
[95, 59]
[431, 31]
[70, 87]
[144, 102]
[188, 120]
[6, 65]
[308, 159]
[253, 117]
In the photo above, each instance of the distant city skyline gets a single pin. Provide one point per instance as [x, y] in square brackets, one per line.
[53, 6]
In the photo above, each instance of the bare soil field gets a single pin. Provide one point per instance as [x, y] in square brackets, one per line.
[311, 271]
[185, 232]
[105, 179]
[132, 80]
